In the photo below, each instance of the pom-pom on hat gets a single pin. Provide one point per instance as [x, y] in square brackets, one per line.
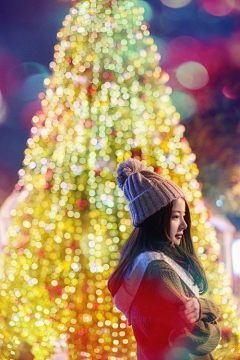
[146, 191]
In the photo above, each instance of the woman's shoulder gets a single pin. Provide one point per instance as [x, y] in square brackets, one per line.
[151, 265]
[158, 265]
[155, 261]
[160, 279]
[157, 268]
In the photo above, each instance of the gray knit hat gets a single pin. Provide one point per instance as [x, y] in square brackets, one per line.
[146, 191]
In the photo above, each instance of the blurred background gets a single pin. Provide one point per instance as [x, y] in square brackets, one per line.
[199, 41]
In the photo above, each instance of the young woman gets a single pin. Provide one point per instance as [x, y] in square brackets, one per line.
[158, 280]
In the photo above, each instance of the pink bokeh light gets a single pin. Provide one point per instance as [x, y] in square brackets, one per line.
[11, 74]
[234, 49]
[231, 90]
[27, 113]
[183, 48]
[218, 7]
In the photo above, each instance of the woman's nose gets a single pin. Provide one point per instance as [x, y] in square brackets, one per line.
[183, 224]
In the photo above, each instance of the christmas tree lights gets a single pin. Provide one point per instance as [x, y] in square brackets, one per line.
[107, 100]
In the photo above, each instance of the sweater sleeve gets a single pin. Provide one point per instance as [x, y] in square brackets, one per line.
[202, 340]
[209, 311]
[165, 286]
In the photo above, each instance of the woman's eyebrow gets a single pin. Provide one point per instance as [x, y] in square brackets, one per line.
[178, 211]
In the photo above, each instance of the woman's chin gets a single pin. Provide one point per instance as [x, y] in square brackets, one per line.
[177, 241]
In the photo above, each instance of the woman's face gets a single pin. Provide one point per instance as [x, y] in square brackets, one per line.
[177, 222]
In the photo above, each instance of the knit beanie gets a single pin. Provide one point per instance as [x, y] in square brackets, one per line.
[146, 191]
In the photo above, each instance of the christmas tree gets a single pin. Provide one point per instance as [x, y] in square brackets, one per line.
[106, 101]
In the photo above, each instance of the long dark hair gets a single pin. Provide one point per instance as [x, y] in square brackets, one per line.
[153, 235]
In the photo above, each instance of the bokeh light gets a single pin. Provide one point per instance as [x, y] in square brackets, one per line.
[183, 48]
[35, 74]
[234, 49]
[161, 45]
[28, 111]
[147, 9]
[185, 103]
[219, 203]
[231, 90]
[213, 57]
[32, 86]
[176, 3]
[192, 75]
[11, 74]
[218, 7]
[32, 68]
[237, 5]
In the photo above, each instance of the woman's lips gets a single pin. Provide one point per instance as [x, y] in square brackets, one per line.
[178, 236]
